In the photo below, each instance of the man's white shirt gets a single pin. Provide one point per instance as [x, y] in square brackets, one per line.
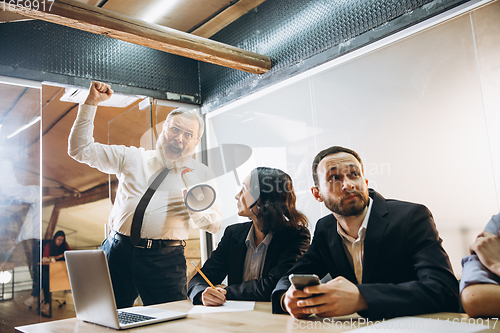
[135, 169]
[355, 246]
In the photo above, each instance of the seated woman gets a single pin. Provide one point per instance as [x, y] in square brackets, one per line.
[53, 251]
[254, 255]
[480, 284]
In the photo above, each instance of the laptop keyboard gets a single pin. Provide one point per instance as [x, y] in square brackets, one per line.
[129, 318]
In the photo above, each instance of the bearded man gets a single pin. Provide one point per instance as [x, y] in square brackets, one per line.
[146, 257]
[384, 256]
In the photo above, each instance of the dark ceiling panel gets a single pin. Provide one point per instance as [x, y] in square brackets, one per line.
[60, 54]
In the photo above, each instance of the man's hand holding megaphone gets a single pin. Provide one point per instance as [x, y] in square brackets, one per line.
[197, 196]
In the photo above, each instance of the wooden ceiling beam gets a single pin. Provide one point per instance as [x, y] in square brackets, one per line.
[100, 21]
[94, 194]
[54, 218]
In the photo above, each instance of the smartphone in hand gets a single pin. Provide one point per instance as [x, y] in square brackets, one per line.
[300, 281]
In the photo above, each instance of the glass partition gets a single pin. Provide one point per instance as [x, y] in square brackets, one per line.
[20, 202]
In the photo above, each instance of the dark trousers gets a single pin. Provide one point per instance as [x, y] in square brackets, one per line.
[157, 275]
[45, 283]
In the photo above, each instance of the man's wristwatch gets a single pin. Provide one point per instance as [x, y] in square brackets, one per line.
[282, 302]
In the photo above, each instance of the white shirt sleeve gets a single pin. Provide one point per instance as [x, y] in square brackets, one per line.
[81, 145]
[209, 220]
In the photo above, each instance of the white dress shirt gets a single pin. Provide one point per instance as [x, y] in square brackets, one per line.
[355, 247]
[135, 169]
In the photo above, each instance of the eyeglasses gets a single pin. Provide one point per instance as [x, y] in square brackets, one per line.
[174, 131]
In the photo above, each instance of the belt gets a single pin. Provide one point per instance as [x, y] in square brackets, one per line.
[149, 243]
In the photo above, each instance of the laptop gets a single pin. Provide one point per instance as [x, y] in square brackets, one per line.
[94, 298]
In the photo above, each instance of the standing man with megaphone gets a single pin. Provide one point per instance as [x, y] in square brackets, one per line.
[149, 219]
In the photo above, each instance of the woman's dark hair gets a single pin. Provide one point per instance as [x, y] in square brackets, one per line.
[276, 208]
[57, 250]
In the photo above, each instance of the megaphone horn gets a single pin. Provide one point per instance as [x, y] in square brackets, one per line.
[199, 196]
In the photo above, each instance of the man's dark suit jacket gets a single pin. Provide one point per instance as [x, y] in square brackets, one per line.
[229, 259]
[406, 271]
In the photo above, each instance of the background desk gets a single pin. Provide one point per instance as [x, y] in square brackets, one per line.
[58, 276]
[259, 320]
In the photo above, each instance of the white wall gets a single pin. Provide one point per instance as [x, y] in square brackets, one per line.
[423, 113]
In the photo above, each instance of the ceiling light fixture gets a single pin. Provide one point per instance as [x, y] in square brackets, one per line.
[79, 95]
[157, 11]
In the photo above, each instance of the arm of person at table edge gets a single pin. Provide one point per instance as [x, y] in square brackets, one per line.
[483, 299]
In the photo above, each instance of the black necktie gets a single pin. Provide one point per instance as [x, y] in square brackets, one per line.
[135, 228]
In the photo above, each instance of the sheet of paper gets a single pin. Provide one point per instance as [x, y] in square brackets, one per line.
[229, 306]
[422, 325]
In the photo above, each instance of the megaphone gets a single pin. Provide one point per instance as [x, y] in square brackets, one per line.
[199, 196]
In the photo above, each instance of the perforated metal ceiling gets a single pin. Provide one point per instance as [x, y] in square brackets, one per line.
[51, 48]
